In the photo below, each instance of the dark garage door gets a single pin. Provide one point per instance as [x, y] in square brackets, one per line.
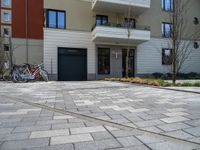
[72, 64]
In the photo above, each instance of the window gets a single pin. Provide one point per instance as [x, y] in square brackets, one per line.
[167, 30]
[167, 5]
[166, 56]
[56, 19]
[6, 32]
[101, 20]
[103, 61]
[6, 47]
[6, 3]
[6, 17]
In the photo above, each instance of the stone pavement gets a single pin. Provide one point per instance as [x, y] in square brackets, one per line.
[100, 115]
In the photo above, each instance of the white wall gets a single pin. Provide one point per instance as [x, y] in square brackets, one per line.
[35, 51]
[54, 38]
[149, 58]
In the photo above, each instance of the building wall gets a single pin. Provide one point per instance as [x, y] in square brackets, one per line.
[149, 58]
[70, 39]
[35, 51]
[35, 19]
[80, 20]
[78, 13]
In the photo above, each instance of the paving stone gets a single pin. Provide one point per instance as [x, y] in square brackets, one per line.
[172, 146]
[177, 109]
[62, 117]
[67, 126]
[174, 114]
[152, 129]
[179, 134]
[195, 122]
[71, 139]
[22, 144]
[49, 133]
[173, 126]
[101, 135]
[31, 128]
[87, 130]
[107, 144]
[47, 122]
[149, 123]
[174, 119]
[55, 147]
[86, 146]
[123, 133]
[15, 136]
[133, 148]
[194, 131]
[147, 139]
[5, 130]
[129, 141]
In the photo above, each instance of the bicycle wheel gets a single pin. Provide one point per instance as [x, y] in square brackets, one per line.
[44, 75]
[7, 75]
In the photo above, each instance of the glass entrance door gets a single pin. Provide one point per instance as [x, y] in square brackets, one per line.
[131, 62]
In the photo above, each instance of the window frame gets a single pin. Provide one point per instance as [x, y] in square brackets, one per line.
[98, 61]
[164, 29]
[163, 3]
[56, 23]
[164, 62]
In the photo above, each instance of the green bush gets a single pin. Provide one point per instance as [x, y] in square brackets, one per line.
[168, 76]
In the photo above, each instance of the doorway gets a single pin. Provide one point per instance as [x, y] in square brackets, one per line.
[131, 62]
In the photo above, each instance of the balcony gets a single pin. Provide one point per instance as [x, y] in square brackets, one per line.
[117, 34]
[121, 6]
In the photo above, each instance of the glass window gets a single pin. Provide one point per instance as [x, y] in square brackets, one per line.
[167, 5]
[61, 20]
[166, 56]
[56, 19]
[103, 61]
[6, 47]
[167, 30]
[6, 17]
[6, 31]
[52, 19]
[6, 3]
[101, 20]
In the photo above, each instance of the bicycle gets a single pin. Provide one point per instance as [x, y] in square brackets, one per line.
[26, 73]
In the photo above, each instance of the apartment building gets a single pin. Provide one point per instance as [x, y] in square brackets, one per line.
[88, 39]
[23, 20]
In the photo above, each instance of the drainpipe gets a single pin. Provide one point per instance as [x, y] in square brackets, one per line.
[26, 26]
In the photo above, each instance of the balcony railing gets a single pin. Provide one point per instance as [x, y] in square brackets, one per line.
[117, 33]
[124, 26]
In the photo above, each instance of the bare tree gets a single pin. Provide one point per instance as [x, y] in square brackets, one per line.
[129, 24]
[182, 37]
[6, 55]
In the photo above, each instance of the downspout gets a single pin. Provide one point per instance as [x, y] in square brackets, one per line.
[26, 26]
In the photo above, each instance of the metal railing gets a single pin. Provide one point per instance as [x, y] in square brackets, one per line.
[124, 26]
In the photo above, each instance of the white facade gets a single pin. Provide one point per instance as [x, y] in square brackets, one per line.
[149, 58]
[53, 39]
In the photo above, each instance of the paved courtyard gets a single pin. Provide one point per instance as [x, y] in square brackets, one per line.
[97, 115]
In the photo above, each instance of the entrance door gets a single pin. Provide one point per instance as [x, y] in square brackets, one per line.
[131, 62]
[72, 64]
